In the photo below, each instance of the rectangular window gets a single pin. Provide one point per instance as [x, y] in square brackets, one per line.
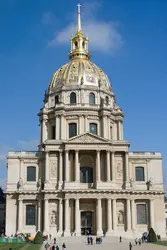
[140, 174]
[53, 134]
[30, 215]
[31, 173]
[141, 214]
[72, 129]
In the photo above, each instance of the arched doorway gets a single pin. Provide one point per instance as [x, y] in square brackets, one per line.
[86, 222]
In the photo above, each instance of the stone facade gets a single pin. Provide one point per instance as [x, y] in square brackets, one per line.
[109, 198]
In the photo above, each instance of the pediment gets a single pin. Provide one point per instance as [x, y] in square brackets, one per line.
[88, 138]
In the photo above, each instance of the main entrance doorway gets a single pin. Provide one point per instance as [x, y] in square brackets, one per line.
[86, 222]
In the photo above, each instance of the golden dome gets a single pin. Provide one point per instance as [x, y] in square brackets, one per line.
[79, 70]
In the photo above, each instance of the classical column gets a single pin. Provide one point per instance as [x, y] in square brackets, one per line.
[46, 215]
[62, 127]
[46, 166]
[66, 165]
[114, 209]
[127, 166]
[99, 218]
[60, 218]
[133, 215]
[119, 130]
[128, 215]
[80, 125]
[108, 166]
[113, 166]
[77, 218]
[60, 168]
[86, 121]
[20, 215]
[98, 166]
[152, 213]
[57, 127]
[39, 215]
[67, 218]
[77, 170]
[109, 217]
[44, 129]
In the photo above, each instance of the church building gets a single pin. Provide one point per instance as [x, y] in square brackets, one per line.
[83, 178]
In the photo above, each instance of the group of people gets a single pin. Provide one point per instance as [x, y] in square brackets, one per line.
[54, 246]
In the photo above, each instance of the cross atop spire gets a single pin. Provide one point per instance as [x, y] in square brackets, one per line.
[79, 18]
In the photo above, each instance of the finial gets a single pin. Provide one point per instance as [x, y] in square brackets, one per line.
[79, 18]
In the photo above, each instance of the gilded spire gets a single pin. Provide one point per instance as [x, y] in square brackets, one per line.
[79, 43]
[79, 18]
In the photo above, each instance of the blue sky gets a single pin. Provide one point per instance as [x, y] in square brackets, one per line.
[127, 40]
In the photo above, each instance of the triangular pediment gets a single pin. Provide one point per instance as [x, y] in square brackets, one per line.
[88, 138]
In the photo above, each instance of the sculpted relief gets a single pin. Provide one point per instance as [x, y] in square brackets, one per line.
[119, 170]
[53, 167]
[53, 215]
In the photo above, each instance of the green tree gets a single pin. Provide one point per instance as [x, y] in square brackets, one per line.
[152, 236]
[38, 238]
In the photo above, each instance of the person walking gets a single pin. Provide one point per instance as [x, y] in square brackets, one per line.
[120, 239]
[63, 246]
[130, 246]
[57, 247]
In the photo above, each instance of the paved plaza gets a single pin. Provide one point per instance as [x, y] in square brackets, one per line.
[109, 243]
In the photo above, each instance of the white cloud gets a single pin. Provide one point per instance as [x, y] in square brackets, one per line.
[103, 35]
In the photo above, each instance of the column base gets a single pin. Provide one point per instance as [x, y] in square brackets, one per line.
[109, 233]
[99, 233]
[60, 185]
[59, 233]
[67, 233]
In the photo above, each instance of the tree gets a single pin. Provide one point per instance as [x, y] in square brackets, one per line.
[152, 236]
[38, 238]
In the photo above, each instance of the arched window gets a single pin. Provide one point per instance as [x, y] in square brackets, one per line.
[72, 129]
[72, 98]
[31, 173]
[93, 128]
[56, 99]
[107, 100]
[91, 98]
[86, 175]
[141, 214]
[140, 174]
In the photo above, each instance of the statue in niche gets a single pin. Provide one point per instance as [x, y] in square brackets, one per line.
[120, 217]
[149, 183]
[20, 183]
[82, 80]
[53, 218]
[99, 83]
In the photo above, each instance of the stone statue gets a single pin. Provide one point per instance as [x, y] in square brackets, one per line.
[131, 182]
[99, 83]
[53, 218]
[82, 80]
[149, 183]
[121, 217]
[20, 183]
[39, 184]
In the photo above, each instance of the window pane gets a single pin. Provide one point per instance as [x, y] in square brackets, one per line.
[53, 132]
[30, 215]
[86, 175]
[72, 98]
[139, 174]
[141, 214]
[93, 128]
[31, 173]
[72, 129]
[91, 98]
[56, 99]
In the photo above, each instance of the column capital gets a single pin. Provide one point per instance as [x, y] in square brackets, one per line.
[76, 150]
[66, 150]
[60, 151]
